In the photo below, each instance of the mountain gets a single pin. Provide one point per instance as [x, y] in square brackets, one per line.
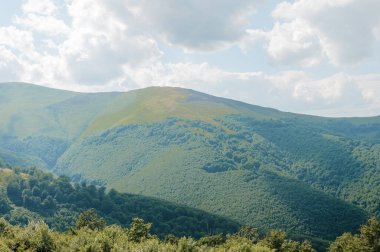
[312, 176]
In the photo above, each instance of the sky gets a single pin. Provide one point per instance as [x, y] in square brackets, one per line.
[319, 57]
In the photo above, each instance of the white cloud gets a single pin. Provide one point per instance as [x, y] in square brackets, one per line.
[18, 41]
[93, 47]
[294, 42]
[96, 52]
[195, 25]
[10, 67]
[344, 28]
[336, 95]
[303, 8]
[48, 25]
[42, 7]
[329, 89]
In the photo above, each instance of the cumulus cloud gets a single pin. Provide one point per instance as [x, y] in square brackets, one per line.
[337, 95]
[10, 67]
[294, 42]
[43, 24]
[343, 30]
[40, 16]
[196, 25]
[92, 47]
[104, 41]
[44, 7]
[95, 52]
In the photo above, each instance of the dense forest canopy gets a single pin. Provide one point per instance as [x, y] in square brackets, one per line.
[30, 194]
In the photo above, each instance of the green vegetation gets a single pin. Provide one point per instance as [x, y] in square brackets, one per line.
[37, 236]
[30, 194]
[313, 177]
[368, 240]
[233, 172]
[91, 234]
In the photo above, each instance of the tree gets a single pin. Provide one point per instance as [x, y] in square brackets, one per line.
[212, 240]
[275, 239]
[90, 220]
[367, 241]
[250, 233]
[4, 206]
[14, 192]
[370, 234]
[139, 230]
[295, 246]
[306, 246]
[171, 239]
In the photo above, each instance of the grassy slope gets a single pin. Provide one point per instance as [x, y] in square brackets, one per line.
[242, 161]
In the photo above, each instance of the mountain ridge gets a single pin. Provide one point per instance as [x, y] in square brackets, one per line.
[41, 87]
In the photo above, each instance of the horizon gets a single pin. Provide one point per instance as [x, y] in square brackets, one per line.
[303, 56]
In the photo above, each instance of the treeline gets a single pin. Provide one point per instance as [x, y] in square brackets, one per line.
[90, 233]
[30, 194]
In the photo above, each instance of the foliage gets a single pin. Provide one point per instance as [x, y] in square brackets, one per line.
[139, 230]
[37, 236]
[249, 233]
[89, 219]
[275, 239]
[30, 194]
[368, 240]
[212, 240]
[228, 168]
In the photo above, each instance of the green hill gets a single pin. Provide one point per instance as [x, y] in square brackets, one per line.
[309, 175]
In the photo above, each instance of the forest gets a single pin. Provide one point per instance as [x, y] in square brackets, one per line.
[31, 194]
[43, 212]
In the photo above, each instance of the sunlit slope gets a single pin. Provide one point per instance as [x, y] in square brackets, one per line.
[33, 110]
[43, 122]
[24, 109]
[30, 109]
[259, 166]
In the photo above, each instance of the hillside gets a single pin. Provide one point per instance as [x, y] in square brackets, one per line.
[311, 176]
[31, 195]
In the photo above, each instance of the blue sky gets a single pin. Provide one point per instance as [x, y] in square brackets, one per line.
[307, 56]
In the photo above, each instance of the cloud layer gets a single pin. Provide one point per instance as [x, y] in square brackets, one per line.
[319, 55]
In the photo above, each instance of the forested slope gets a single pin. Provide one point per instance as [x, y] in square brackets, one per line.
[31, 195]
[309, 175]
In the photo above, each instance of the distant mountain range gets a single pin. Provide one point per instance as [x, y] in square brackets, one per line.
[311, 176]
